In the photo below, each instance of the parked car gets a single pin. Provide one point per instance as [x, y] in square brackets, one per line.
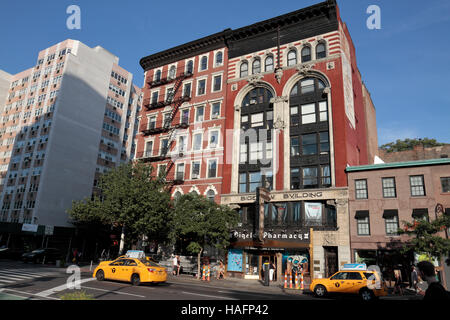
[37, 256]
[10, 253]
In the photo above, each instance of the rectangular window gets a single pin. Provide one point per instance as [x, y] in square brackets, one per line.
[201, 87]
[164, 146]
[200, 114]
[185, 116]
[155, 97]
[152, 123]
[324, 143]
[308, 113]
[363, 226]
[169, 94]
[295, 178]
[148, 148]
[295, 119]
[391, 225]
[195, 173]
[389, 188]
[212, 168]
[187, 90]
[445, 183]
[215, 110]
[217, 83]
[417, 186]
[180, 172]
[254, 181]
[323, 111]
[309, 144]
[197, 143]
[213, 139]
[162, 170]
[243, 183]
[182, 144]
[295, 147]
[325, 176]
[361, 189]
[243, 153]
[257, 119]
[310, 177]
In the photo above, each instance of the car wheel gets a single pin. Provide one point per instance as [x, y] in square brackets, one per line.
[135, 280]
[100, 275]
[320, 291]
[367, 295]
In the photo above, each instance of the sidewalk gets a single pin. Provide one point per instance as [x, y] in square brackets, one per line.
[238, 284]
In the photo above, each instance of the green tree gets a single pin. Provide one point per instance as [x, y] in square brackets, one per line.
[425, 237]
[202, 222]
[409, 144]
[131, 197]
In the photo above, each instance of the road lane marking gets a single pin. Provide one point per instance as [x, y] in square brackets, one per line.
[26, 293]
[206, 295]
[63, 287]
[115, 292]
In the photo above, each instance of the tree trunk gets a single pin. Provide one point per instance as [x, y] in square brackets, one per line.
[198, 263]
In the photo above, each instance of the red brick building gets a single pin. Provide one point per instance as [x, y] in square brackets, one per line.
[294, 113]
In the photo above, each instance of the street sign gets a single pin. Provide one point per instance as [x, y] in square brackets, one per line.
[29, 227]
[49, 230]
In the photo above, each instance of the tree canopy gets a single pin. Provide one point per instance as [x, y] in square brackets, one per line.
[425, 238]
[409, 144]
[132, 197]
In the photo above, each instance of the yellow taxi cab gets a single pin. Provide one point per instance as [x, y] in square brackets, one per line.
[132, 268]
[351, 279]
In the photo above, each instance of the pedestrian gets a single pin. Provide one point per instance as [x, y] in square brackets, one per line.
[75, 256]
[175, 265]
[221, 271]
[398, 281]
[271, 271]
[414, 279]
[435, 290]
[178, 265]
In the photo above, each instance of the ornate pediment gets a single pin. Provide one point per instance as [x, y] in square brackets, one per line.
[254, 79]
[305, 68]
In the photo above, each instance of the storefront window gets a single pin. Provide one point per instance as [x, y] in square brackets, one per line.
[251, 264]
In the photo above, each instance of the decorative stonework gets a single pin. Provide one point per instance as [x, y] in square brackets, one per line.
[279, 99]
[279, 124]
[194, 188]
[254, 79]
[327, 90]
[210, 187]
[278, 74]
[237, 108]
[305, 69]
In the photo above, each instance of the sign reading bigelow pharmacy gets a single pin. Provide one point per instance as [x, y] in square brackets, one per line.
[282, 236]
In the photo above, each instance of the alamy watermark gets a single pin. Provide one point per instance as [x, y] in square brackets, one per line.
[73, 282]
[374, 20]
[74, 20]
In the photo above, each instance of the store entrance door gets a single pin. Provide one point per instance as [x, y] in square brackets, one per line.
[331, 261]
[272, 259]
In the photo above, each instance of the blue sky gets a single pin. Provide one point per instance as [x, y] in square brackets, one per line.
[405, 65]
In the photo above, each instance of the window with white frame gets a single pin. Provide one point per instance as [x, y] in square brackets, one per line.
[219, 59]
[213, 139]
[201, 87]
[203, 63]
[195, 170]
[212, 168]
[215, 110]
[199, 114]
[197, 141]
[217, 83]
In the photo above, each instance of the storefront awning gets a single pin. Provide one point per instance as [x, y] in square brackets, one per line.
[418, 213]
[390, 213]
[361, 214]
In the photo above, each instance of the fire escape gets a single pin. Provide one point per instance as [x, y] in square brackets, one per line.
[168, 125]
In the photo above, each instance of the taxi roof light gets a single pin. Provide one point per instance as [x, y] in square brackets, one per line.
[354, 266]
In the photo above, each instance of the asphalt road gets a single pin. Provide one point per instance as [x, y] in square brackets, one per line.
[20, 281]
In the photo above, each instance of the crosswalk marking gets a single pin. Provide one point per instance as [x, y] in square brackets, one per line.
[10, 275]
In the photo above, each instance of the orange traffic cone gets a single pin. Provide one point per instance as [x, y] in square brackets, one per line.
[204, 273]
[301, 281]
[290, 280]
[285, 279]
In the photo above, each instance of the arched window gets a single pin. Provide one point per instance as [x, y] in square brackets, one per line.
[321, 51]
[269, 63]
[256, 66]
[204, 63]
[177, 195]
[210, 195]
[292, 57]
[257, 96]
[306, 54]
[190, 67]
[219, 58]
[158, 75]
[172, 72]
[194, 192]
[244, 69]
